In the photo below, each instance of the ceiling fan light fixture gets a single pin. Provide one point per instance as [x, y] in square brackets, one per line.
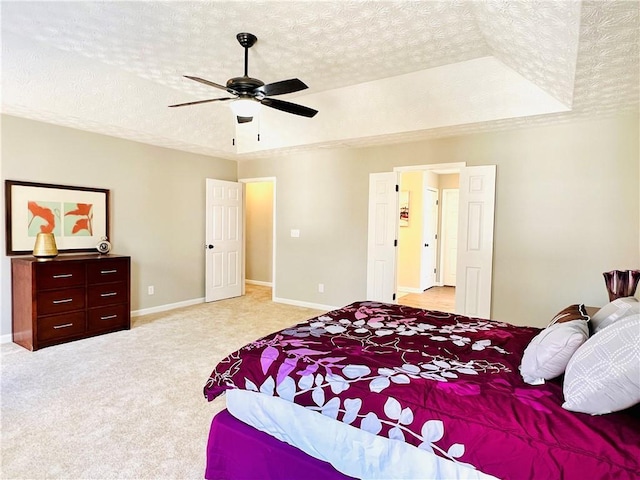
[245, 107]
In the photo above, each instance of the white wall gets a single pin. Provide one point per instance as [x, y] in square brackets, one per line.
[567, 210]
[157, 202]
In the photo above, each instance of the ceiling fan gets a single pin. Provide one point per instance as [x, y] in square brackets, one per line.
[248, 93]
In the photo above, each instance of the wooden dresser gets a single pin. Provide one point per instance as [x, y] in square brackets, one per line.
[69, 297]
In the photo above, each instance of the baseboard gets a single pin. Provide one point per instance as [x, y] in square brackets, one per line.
[259, 282]
[169, 306]
[7, 338]
[298, 303]
[409, 289]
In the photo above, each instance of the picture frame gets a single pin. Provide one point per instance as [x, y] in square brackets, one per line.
[404, 208]
[77, 216]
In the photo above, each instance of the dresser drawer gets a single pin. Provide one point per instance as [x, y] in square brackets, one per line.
[107, 294]
[106, 318]
[61, 326]
[104, 271]
[51, 275]
[59, 301]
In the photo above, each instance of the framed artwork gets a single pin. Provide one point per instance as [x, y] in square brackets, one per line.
[404, 209]
[77, 216]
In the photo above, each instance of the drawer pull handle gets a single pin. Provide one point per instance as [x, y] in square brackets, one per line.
[63, 275]
[109, 294]
[64, 300]
[108, 317]
[108, 271]
[63, 326]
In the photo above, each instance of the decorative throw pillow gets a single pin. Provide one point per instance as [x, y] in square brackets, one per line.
[613, 311]
[572, 312]
[548, 353]
[603, 376]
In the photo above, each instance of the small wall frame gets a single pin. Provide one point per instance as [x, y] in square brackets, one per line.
[404, 208]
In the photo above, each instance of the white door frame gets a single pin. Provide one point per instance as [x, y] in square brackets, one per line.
[244, 246]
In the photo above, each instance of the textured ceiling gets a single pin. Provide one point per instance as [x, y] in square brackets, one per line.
[113, 67]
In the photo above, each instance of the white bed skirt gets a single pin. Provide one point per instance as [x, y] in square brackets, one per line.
[351, 451]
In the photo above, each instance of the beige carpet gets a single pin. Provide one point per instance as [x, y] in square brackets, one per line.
[129, 404]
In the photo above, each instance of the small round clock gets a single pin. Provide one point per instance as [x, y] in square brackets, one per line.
[103, 246]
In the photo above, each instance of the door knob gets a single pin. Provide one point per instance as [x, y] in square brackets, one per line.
[209, 246]
[426, 244]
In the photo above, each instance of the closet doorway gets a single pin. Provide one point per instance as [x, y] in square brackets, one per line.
[259, 225]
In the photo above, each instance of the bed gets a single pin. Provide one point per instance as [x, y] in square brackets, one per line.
[375, 390]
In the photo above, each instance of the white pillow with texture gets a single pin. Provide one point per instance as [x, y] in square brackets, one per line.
[603, 376]
[549, 352]
[613, 311]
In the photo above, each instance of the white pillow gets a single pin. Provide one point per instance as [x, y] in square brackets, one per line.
[603, 376]
[613, 311]
[548, 353]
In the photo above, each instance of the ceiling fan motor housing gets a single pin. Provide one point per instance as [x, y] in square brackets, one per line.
[244, 84]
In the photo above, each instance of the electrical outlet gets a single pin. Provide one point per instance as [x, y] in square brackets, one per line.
[150, 290]
[321, 288]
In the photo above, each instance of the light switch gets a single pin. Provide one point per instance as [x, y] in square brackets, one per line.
[295, 233]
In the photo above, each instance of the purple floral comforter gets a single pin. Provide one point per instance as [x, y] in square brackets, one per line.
[445, 383]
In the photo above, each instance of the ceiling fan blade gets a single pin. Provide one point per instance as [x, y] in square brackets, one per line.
[289, 107]
[201, 101]
[282, 87]
[244, 119]
[211, 84]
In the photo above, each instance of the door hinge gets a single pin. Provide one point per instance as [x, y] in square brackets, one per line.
[436, 236]
[394, 296]
[395, 243]
[397, 188]
[437, 202]
[434, 270]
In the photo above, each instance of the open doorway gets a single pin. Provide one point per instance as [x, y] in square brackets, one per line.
[427, 239]
[474, 257]
[259, 224]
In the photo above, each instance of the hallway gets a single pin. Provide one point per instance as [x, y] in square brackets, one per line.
[435, 298]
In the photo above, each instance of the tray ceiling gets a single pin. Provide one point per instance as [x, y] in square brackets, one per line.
[378, 71]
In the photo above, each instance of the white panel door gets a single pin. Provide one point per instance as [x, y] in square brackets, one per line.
[449, 236]
[475, 240]
[223, 242]
[383, 228]
[429, 241]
